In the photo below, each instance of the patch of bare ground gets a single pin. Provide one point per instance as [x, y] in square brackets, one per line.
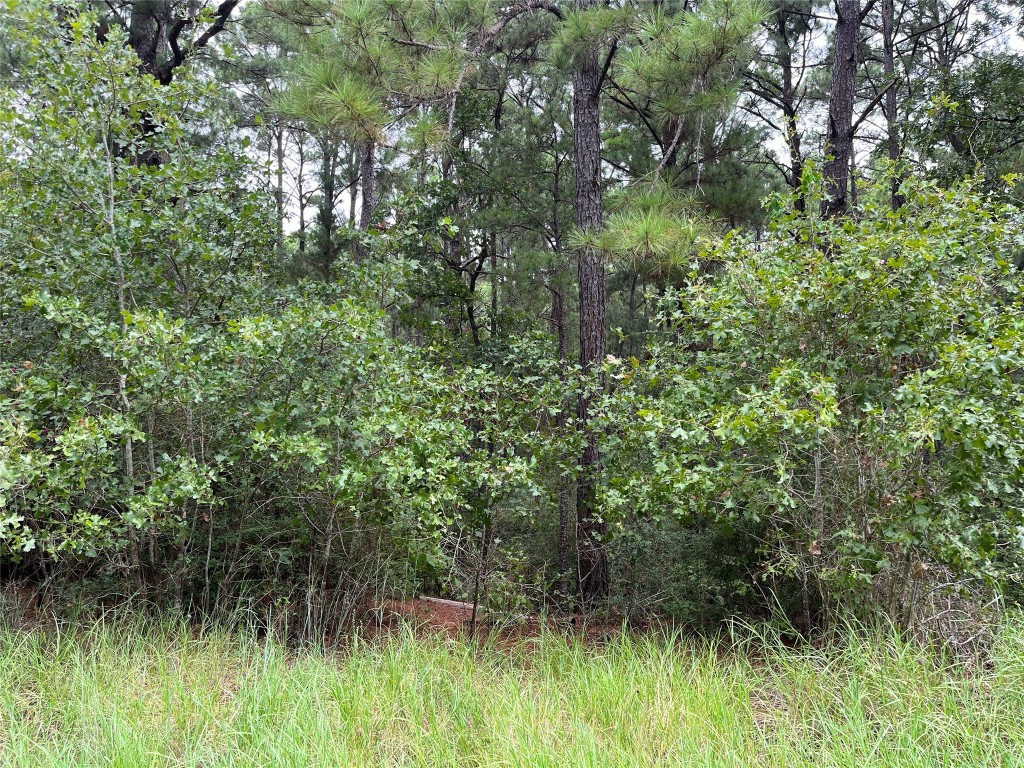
[456, 620]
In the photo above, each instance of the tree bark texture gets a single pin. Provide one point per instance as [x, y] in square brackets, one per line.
[889, 105]
[368, 180]
[839, 141]
[586, 80]
[329, 190]
[788, 104]
[163, 33]
[368, 176]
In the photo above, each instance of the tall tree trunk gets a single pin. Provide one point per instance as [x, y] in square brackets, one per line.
[494, 285]
[123, 297]
[279, 189]
[889, 103]
[368, 181]
[300, 147]
[558, 327]
[586, 81]
[839, 142]
[788, 102]
[329, 188]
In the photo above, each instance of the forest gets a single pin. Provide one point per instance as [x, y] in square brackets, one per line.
[698, 317]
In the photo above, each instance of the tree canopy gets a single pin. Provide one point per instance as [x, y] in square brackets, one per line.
[586, 305]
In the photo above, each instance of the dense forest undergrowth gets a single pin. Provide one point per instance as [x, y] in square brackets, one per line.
[691, 311]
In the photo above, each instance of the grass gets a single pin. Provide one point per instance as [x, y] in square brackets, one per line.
[129, 695]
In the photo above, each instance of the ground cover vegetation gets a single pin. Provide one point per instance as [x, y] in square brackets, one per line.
[131, 695]
[687, 310]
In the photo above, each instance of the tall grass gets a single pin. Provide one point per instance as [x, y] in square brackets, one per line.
[123, 694]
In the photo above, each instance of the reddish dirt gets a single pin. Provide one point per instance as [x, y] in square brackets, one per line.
[426, 615]
[453, 619]
[449, 617]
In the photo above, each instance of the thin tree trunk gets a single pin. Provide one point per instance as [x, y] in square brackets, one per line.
[494, 285]
[558, 321]
[789, 114]
[586, 108]
[480, 580]
[839, 141]
[279, 190]
[368, 180]
[352, 197]
[300, 146]
[110, 208]
[889, 103]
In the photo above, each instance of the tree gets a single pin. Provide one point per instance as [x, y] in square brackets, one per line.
[779, 80]
[587, 77]
[856, 411]
[165, 34]
[842, 95]
[425, 56]
[118, 255]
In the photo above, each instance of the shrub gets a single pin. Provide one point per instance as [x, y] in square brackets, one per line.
[170, 408]
[847, 392]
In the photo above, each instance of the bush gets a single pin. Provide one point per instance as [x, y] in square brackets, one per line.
[170, 409]
[849, 393]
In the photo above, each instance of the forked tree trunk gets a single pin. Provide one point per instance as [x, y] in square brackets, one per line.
[165, 34]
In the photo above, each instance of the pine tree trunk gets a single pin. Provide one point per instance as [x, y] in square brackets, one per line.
[839, 142]
[368, 179]
[279, 189]
[586, 79]
[300, 148]
[327, 171]
[889, 103]
[558, 327]
[494, 285]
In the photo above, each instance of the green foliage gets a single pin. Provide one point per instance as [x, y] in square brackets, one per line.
[973, 123]
[833, 407]
[169, 406]
[847, 392]
[130, 695]
[123, 241]
[654, 231]
[688, 64]
[372, 63]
